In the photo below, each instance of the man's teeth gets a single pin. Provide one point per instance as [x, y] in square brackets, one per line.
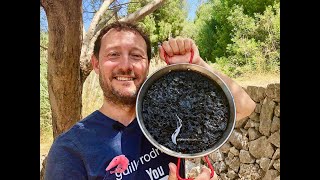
[124, 78]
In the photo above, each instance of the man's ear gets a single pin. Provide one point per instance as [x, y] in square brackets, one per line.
[95, 63]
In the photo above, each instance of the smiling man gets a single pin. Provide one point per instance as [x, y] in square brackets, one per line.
[122, 62]
[121, 57]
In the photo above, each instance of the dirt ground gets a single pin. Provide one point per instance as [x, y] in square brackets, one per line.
[258, 80]
[44, 148]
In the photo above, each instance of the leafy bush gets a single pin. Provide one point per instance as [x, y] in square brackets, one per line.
[255, 42]
[240, 36]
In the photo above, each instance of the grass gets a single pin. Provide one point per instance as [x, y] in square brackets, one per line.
[257, 79]
[46, 139]
[92, 96]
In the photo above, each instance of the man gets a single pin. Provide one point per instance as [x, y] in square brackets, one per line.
[122, 53]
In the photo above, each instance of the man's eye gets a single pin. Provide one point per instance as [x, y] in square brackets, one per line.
[113, 54]
[136, 56]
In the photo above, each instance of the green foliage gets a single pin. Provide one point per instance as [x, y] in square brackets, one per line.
[256, 42]
[45, 110]
[215, 31]
[189, 30]
[167, 21]
[250, 7]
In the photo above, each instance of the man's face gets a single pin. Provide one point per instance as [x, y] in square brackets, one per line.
[122, 66]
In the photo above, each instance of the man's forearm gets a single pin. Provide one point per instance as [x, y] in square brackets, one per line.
[244, 104]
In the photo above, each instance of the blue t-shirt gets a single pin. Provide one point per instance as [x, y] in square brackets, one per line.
[84, 152]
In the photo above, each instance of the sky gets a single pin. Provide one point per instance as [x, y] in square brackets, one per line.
[193, 5]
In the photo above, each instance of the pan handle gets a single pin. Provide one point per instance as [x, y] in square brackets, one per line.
[167, 61]
[178, 170]
[210, 166]
[208, 162]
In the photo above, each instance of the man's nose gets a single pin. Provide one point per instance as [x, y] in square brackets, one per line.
[125, 63]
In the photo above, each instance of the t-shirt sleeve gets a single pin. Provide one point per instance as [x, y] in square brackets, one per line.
[64, 162]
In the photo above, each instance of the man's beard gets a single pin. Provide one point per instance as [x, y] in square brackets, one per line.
[116, 96]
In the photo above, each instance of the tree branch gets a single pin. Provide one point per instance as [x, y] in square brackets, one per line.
[96, 19]
[142, 12]
[85, 65]
[92, 12]
[43, 3]
[45, 48]
[120, 5]
[103, 23]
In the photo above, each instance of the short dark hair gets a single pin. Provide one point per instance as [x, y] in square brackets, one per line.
[119, 26]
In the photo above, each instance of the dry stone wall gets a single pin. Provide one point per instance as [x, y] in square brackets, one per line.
[253, 149]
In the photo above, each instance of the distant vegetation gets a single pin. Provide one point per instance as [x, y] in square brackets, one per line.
[45, 111]
[167, 21]
[234, 36]
[238, 36]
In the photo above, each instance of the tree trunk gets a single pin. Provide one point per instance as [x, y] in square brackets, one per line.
[65, 39]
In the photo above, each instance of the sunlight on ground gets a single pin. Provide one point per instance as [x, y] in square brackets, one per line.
[45, 143]
[44, 148]
[261, 80]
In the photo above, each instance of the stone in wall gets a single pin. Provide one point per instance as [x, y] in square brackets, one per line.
[246, 157]
[266, 116]
[216, 156]
[261, 148]
[275, 156]
[275, 139]
[277, 110]
[251, 124]
[237, 140]
[234, 151]
[275, 125]
[223, 176]
[254, 116]
[253, 134]
[225, 147]
[257, 94]
[250, 171]
[233, 163]
[220, 167]
[231, 174]
[244, 132]
[264, 163]
[273, 91]
[192, 171]
[241, 122]
[271, 174]
[192, 167]
[276, 165]
[258, 108]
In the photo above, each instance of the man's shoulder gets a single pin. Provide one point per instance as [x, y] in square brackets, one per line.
[78, 128]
